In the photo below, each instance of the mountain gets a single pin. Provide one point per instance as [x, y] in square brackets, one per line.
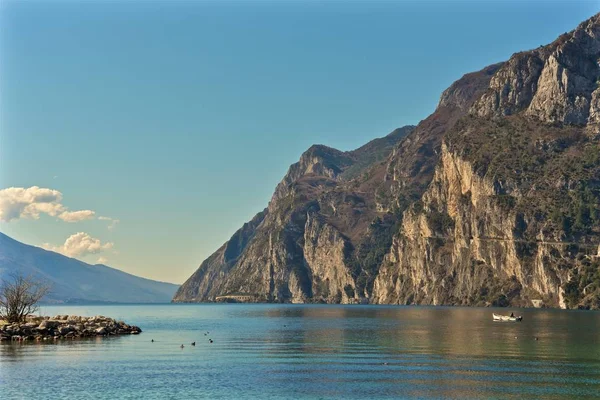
[320, 212]
[72, 280]
[494, 199]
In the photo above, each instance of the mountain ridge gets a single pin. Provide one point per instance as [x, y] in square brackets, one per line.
[315, 174]
[73, 280]
[479, 204]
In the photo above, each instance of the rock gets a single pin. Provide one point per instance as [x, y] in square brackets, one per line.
[474, 206]
[63, 330]
[462, 92]
[554, 83]
[50, 324]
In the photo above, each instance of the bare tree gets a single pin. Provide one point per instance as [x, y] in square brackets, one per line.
[19, 296]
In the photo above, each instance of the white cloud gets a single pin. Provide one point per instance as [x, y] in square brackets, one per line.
[16, 202]
[80, 244]
[113, 222]
[76, 216]
[102, 260]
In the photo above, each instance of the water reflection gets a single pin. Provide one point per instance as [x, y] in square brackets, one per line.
[282, 351]
[443, 330]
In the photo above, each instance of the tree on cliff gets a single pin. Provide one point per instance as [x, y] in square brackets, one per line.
[19, 296]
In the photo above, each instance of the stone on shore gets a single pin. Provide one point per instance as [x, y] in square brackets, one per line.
[65, 326]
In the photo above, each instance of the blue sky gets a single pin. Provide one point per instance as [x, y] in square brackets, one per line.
[179, 118]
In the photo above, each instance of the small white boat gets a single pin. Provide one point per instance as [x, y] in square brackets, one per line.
[506, 318]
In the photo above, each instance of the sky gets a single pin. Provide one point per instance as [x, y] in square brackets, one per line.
[143, 134]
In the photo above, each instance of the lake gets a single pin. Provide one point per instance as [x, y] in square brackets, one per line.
[263, 351]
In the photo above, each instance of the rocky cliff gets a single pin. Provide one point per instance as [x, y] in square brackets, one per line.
[301, 247]
[491, 200]
[555, 83]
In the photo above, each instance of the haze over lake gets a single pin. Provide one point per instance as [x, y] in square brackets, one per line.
[313, 351]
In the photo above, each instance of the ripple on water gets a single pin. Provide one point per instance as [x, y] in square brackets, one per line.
[283, 351]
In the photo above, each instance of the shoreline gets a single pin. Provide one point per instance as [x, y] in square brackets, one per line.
[62, 327]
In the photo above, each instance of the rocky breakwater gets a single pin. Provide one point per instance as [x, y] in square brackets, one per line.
[65, 327]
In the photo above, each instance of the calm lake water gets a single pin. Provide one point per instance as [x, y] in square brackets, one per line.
[313, 352]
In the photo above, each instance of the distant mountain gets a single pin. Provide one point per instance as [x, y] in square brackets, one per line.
[494, 199]
[74, 281]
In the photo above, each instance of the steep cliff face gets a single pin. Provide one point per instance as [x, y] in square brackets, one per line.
[207, 278]
[475, 241]
[332, 218]
[462, 93]
[555, 83]
[494, 199]
[512, 212]
[318, 160]
[300, 249]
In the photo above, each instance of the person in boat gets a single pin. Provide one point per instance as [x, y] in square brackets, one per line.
[512, 315]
